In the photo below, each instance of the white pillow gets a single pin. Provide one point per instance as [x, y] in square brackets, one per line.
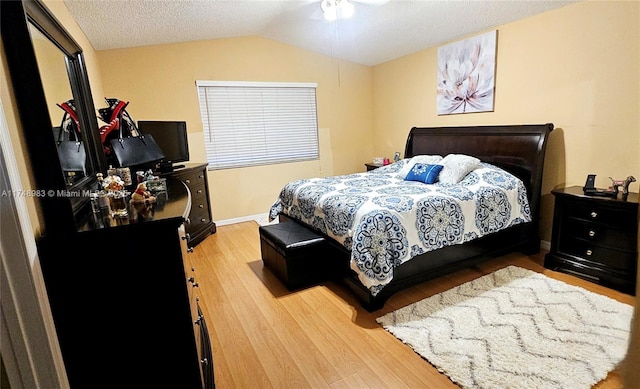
[456, 167]
[425, 159]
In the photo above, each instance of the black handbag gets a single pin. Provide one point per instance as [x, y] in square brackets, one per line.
[71, 152]
[135, 150]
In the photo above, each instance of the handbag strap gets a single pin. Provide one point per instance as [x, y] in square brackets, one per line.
[73, 134]
[118, 107]
[69, 114]
[61, 131]
[121, 110]
[69, 108]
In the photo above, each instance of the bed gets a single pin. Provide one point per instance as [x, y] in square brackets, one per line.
[383, 225]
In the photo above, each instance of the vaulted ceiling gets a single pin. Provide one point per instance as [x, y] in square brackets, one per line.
[379, 30]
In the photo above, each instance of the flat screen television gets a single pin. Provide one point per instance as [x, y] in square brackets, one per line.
[171, 137]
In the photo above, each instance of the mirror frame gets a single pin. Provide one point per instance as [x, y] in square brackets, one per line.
[62, 213]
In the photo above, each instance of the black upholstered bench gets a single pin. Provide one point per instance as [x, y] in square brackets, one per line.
[298, 256]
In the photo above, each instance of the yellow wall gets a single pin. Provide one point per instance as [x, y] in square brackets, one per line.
[577, 67]
[159, 83]
[53, 72]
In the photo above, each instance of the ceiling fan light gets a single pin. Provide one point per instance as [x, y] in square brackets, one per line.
[334, 9]
[346, 8]
[329, 10]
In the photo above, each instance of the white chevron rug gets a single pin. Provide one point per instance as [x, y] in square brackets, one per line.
[516, 329]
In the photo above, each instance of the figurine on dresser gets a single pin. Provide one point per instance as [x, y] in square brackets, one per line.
[616, 184]
[142, 195]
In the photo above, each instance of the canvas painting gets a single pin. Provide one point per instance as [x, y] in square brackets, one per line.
[466, 75]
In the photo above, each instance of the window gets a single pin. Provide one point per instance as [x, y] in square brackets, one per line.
[257, 123]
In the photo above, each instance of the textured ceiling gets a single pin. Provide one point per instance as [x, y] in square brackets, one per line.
[379, 31]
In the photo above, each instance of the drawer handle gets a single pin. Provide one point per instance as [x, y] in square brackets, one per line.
[204, 361]
[201, 206]
[187, 221]
[199, 190]
[186, 236]
[592, 233]
[203, 220]
[191, 279]
[589, 252]
[189, 249]
[195, 285]
[594, 214]
[201, 176]
[197, 321]
[187, 181]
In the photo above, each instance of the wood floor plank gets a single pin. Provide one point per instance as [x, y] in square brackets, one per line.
[315, 368]
[279, 366]
[327, 341]
[264, 336]
[356, 342]
[225, 327]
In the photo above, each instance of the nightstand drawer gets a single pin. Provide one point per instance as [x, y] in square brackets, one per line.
[615, 259]
[595, 233]
[601, 214]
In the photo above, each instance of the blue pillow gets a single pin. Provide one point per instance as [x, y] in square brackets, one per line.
[422, 172]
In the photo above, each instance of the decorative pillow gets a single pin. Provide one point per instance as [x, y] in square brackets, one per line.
[456, 167]
[424, 173]
[424, 159]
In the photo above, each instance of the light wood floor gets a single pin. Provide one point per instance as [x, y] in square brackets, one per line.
[266, 337]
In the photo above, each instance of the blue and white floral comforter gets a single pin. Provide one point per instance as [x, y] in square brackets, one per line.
[385, 221]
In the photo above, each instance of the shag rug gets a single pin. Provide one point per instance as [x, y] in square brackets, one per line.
[516, 328]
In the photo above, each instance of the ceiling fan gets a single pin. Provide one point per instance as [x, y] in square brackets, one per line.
[343, 9]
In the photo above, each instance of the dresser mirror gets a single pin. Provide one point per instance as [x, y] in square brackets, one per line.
[52, 65]
[48, 73]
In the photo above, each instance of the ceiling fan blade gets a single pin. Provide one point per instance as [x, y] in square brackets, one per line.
[317, 14]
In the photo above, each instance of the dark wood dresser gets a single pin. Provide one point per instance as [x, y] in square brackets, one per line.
[595, 238]
[124, 297]
[199, 223]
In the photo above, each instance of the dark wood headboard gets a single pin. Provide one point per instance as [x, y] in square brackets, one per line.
[519, 149]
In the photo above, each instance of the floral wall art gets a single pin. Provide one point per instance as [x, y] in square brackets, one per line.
[466, 75]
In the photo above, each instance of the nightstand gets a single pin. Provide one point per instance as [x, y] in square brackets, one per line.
[372, 166]
[595, 238]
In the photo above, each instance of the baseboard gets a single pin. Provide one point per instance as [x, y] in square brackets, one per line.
[545, 245]
[242, 219]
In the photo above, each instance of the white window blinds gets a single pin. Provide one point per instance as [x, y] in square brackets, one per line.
[255, 123]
